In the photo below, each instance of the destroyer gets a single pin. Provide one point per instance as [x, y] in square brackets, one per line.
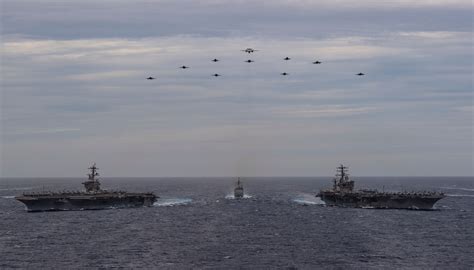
[239, 190]
[342, 194]
[93, 198]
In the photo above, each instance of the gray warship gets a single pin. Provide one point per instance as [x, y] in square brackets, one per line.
[239, 190]
[93, 198]
[343, 195]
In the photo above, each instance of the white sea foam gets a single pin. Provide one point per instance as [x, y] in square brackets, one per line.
[231, 196]
[308, 199]
[458, 188]
[16, 188]
[8, 197]
[460, 195]
[172, 202]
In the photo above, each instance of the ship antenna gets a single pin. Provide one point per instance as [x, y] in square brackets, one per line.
[342, 181]
[93, 173]
[93, 184]
[342, 171]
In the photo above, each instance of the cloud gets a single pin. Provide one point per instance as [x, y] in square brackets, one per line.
[42, 131]
[468, 109]
[76, 81]
[303, 18]
[326, 111]
[374, 4]
[443, 35]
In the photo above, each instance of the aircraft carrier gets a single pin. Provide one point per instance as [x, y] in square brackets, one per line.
[343, 195]
[93, 198]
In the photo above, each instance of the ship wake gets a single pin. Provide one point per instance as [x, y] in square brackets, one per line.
[172, 202]
[459, 188]
[16, 188]
[308, 199]
[232, 197]
[460, 195]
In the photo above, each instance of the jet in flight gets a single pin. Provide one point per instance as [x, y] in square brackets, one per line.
[150, 78]
[249, 50]
[360, 74]
[215, 60]
[184, 67]
[216, 75]
[317, 62]
[286, 58]
[284, 73]
[249, 61]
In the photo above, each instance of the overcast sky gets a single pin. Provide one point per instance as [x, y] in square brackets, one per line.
[73, 88]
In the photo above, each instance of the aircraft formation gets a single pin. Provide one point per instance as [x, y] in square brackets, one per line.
[249, 51]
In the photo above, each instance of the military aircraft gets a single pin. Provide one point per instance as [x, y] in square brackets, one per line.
[150, 78]
[216, 75]
[360, 74]
[184, 67]
[249, 61]
[249, 50]
[215, 60]
[317, 62]
[284, 73]
[286, 58]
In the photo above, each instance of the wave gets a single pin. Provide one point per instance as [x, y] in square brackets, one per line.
[308, 199]
[172, 202]
[16, 188]
[8, 197]
[231, 196]
[457, 188]
[460, 195]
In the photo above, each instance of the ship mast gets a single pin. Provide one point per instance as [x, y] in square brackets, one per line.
[92, 184]
[93, 173]
[342, 172]
[342, 183]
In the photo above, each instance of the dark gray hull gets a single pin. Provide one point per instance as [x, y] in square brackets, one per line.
[238, 193]
[380, 201]
[85, 202]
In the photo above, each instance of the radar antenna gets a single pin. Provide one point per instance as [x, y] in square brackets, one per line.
[93, 173]
[342, 183]
[92, 184]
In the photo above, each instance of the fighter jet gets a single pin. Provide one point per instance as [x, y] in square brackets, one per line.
[150, 78]
[286, 58]
[284, 73]
[249, 50]
[216, 75]
[360, 74]
[317, 62]
[184, 67]
[249, 61]
[215, 60]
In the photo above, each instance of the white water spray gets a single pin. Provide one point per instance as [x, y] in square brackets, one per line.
[308, 199]
[172, 202]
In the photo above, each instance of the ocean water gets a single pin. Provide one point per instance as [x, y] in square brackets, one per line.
[197, 224]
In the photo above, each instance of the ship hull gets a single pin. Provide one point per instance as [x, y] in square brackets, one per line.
[238, 193]
[379, 201]
[85, 202]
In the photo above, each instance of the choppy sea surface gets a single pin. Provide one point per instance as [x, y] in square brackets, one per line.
[197, 224]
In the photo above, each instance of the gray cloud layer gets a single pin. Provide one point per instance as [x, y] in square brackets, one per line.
[311, 19]
[73, 88]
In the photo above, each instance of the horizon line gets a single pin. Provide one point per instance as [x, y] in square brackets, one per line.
[324, 176]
